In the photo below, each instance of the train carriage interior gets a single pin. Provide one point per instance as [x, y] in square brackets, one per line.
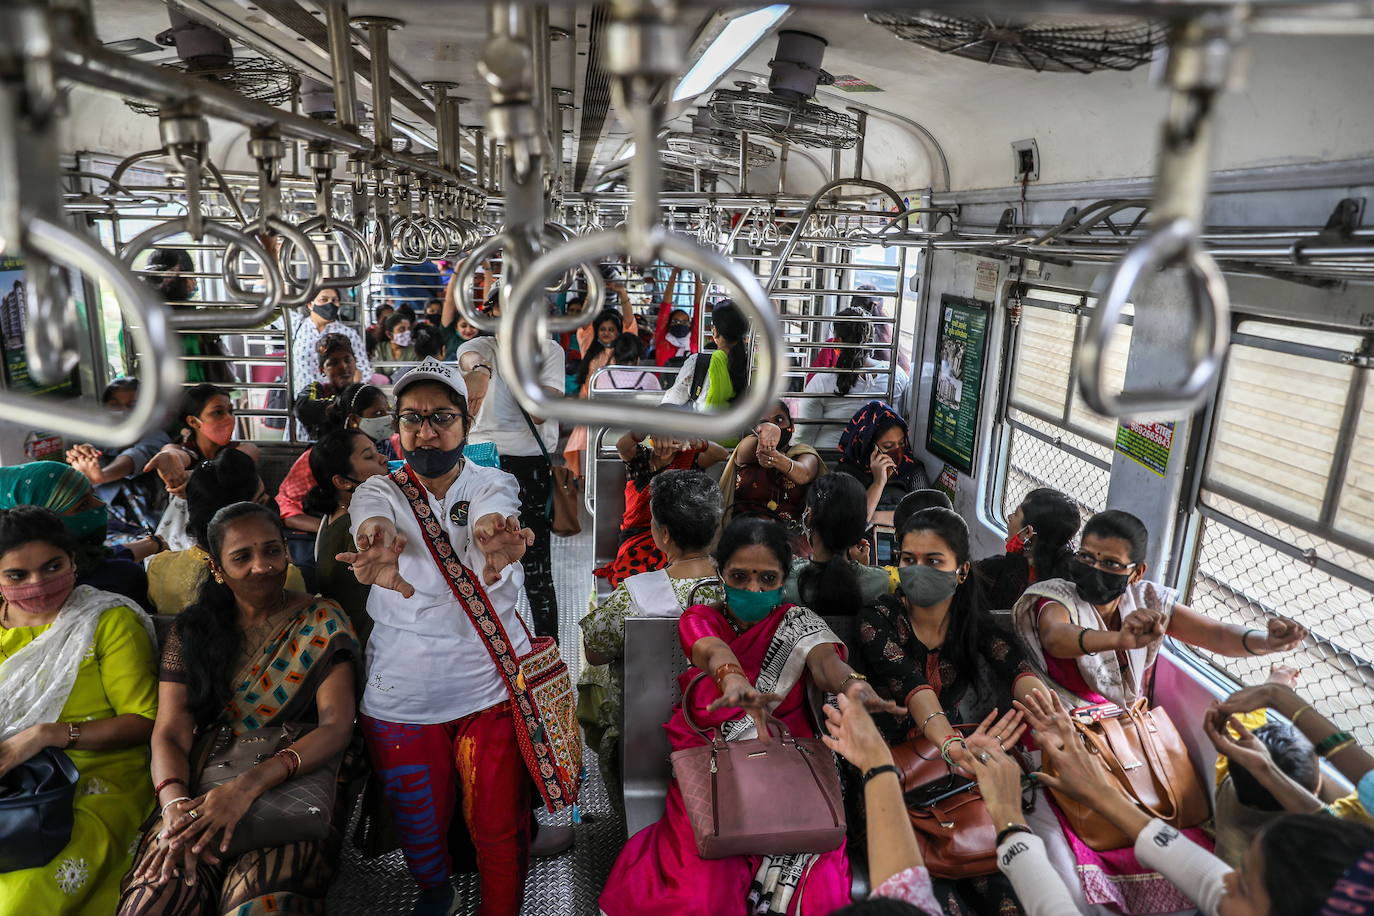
[1115, 250]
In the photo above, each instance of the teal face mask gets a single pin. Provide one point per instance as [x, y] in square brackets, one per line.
[751, 607]
[86, 524]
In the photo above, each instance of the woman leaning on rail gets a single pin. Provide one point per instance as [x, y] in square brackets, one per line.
[1095, 637]
[76, 674]
[249, 654]
[659, 869]
[934, 649]
[685, 513]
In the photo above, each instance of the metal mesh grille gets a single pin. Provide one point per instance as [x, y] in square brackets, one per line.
[255, 78]
[1034, 462]
[801, 122]
[1054, 43]
[1240, 579]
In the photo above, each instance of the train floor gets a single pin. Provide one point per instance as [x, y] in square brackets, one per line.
[565, 885]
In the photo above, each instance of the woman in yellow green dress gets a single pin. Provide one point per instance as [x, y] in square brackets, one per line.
[77, 672]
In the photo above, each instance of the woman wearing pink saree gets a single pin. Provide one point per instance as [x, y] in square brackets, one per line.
[762, 655]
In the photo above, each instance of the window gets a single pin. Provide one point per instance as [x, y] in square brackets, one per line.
[1287, 510]
[1051, 437]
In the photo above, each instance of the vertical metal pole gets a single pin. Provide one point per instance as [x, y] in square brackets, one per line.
[341, 63]
[744, 162]
[377, 27]
[479, 141]
[862, 118]
[782, 167]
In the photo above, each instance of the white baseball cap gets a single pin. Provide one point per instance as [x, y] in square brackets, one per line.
[431, 370]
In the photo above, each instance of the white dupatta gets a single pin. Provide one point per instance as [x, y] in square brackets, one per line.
[36, 681]
[1103, 671]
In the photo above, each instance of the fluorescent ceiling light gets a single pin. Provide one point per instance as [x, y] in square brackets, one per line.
[626, 153]
[734, 41]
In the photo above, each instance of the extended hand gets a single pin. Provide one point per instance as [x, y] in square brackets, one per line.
[862, 692]
[769, 435]
[1142, 629]
[1284, 634]
[377, 560]
[739, 693]
[171, 470]
[999, 779]
[502, 541]
[1246, 751]
[853, 735]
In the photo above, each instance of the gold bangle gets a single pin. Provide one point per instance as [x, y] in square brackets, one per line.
[1294, 720]
[1338, 748]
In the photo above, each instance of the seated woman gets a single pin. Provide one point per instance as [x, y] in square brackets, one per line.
[208, 418]
[713, 381]
[136, 498]
[637, 552]
[731, 642]
[768, 475]
[69, 494]
[175, 577]
[856, 373]
[686, 510]
[77, 674]
[1299, 864]
[1095, 637]
[935, 649]
[874, 450]
[1040, 547]
[248, 654]
[359, 406]
[340, 461]
[831, 583]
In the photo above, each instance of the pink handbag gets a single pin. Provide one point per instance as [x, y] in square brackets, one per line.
[747, 798]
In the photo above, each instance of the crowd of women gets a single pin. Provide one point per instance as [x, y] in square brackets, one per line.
[352, 643]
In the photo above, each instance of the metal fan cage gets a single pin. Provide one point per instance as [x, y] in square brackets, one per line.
[255, 78]
[804, 122]
[1046, 43]
[716, 151]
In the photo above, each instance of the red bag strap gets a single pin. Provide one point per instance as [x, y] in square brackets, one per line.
[471, 597]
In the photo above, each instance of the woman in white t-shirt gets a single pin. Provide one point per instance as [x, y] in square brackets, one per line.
[436, 711]
[857, 374]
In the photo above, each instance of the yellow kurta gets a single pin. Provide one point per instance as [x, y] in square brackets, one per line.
[114, 795]
[174, 579]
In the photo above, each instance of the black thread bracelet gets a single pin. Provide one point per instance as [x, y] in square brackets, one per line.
[878, 771]
[1009, 830]
[1082, 647]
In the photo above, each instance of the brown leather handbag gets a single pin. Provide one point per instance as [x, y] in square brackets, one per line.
[747, 798]
[296, 810]
[1141, 753]
[953, 828]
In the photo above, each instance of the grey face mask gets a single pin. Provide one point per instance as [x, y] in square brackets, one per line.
[926, 586]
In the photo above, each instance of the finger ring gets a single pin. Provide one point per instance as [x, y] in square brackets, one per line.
[984, 756]
[193, 815]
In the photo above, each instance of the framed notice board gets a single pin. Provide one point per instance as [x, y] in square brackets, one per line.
[956, 396]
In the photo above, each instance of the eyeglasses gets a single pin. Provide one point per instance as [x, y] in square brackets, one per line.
[440, 419]
[1106, 564]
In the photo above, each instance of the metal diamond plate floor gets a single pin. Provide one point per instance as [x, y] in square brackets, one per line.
[566, 885]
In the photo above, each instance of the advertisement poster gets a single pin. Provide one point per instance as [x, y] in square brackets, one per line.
[1147, 444]
[13, 290]
[948, 482]
[955, 398]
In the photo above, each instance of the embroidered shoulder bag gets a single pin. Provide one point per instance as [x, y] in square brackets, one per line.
[541, 691]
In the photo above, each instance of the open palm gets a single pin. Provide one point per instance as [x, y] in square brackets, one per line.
[379, 564]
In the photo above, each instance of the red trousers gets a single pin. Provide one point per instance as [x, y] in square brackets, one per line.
[426, 770]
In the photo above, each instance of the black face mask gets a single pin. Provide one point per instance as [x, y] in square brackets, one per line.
[679, 329]
[1096, 586]
[328, 312]
[784, 436]
[177, 289]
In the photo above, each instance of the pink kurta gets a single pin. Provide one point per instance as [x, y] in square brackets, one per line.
[659, 870]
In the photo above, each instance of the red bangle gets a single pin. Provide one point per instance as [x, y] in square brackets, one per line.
[169, 781]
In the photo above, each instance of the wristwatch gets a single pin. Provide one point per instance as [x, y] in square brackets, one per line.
[73, 733]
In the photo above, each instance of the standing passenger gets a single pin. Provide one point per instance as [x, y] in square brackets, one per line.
[436, 712]
[306, 331]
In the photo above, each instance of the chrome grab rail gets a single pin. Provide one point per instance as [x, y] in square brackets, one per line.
[1199, 67]
[780, 265]
[147, 322]
[268, 151]
[357, 253]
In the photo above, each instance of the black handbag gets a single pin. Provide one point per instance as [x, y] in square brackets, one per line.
[36, 810]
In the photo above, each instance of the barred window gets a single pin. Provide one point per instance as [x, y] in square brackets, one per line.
[1052, 439]
[1287, 510]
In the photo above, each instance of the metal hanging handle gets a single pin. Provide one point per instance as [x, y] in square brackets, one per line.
[293, 239]
[358, 252]
[146, 321]
[1200, 66]
[262, 305]
[1174, 243]
[465, 272]
[524, 323]
[780, 265]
